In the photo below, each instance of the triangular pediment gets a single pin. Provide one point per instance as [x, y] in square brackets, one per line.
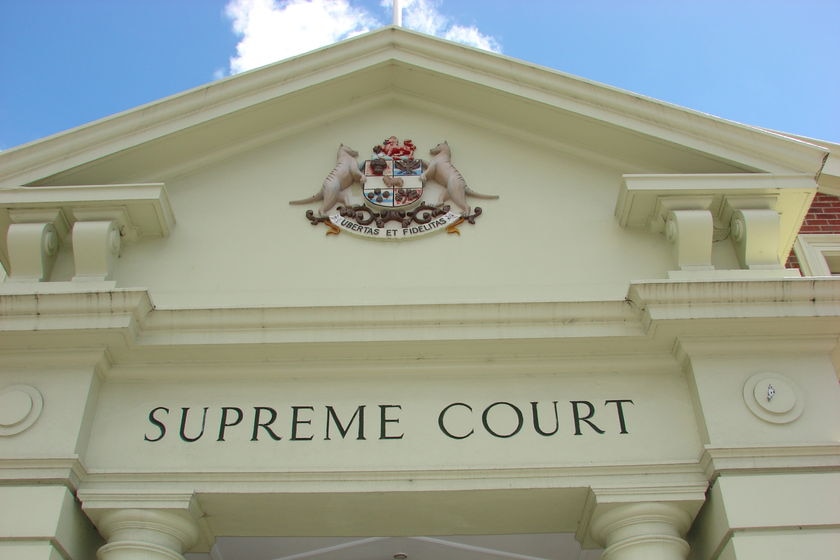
[393, 67]
[613, 178]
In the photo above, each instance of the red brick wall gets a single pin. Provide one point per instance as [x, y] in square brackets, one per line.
[823, 217]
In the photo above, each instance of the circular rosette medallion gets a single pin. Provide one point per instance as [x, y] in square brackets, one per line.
[392, 184]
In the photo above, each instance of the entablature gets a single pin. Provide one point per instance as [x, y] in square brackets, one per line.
[484, 339]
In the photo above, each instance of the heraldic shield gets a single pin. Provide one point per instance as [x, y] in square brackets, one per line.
[392, 177]
[392, 187]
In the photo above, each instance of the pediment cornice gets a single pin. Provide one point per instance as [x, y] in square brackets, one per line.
[391, 63]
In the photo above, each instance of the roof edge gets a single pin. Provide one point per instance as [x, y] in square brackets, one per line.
[759, 148]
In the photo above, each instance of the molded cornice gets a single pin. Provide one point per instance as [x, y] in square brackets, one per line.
[437, 69]
[652, 322]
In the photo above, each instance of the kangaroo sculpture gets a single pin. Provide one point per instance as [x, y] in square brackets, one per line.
[336, 185]
[441, 170]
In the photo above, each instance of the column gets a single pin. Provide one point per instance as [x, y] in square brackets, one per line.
[642, 531]
[140, 534]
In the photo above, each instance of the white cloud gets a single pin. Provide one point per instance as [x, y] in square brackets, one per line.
[272, 30]
[420, 15]
[473, 37]
[425, 17]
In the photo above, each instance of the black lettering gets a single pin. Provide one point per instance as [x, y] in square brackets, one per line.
[442, 425]
[296, 421]
[519, 419]
[360, 414]
[579, 418]
[620, 409]
[160, 425]
[384, 421]
[264, 425]
[223, 424]
[536, 416]
[184, 413]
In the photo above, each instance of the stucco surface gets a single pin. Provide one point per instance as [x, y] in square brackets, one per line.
[550, 236]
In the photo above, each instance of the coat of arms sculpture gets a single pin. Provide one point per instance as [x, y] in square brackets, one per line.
[394, 201]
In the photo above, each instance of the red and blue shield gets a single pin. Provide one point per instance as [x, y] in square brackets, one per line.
[392, 183]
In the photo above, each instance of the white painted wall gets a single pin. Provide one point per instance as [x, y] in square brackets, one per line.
[550, 236]
[122, 426]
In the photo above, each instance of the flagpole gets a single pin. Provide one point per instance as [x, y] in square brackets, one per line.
[397, 13]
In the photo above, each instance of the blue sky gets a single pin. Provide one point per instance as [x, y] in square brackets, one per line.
[768, 63]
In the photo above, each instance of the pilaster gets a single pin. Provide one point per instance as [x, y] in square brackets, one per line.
[754, 516]
[44, 522]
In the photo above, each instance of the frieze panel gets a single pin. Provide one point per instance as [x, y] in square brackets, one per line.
[402, 423]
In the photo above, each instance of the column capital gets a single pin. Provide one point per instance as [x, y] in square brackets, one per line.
[642, 530]
[150, 534]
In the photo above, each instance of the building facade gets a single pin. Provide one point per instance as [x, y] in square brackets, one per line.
[596, 352]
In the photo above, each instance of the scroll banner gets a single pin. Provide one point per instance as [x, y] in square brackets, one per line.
[394, 230]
